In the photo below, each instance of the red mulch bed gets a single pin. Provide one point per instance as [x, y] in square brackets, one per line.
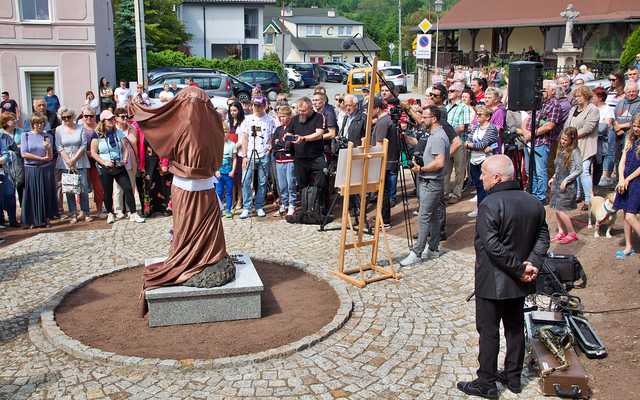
[104, 314]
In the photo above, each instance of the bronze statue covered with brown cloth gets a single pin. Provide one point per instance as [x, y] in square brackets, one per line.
[188, 131]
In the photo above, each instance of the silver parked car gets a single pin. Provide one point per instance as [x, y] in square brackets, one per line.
[395, 75]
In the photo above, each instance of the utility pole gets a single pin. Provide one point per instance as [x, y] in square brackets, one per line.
[282, 28]
[400, 34]
[141, 44]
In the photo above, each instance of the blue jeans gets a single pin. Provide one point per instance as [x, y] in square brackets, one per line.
[286, 183]
[541, 178]
[225, 183]
[84, 196]
[609, 147]
[586, 184]
[8, 200]
[475, 171]
[390, 183]
[262, 164]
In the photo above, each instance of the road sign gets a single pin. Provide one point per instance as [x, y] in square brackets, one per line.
[424, 25]
[423, 49]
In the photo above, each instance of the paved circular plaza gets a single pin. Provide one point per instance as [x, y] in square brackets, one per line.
[411, 339]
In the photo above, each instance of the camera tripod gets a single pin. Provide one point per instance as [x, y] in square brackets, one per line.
[253, 158]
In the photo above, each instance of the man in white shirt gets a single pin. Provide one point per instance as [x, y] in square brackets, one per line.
[255, 135]
[122, 95]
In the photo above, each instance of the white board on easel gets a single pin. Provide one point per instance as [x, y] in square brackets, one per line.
[375, 164]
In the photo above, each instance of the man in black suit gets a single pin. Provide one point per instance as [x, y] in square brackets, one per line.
[354, 123]
[512, 239]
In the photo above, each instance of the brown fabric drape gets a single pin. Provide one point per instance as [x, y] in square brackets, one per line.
[188, 131]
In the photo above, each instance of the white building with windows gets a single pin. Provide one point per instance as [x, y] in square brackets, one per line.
[224, 28]
[65, 44]
[314, 35]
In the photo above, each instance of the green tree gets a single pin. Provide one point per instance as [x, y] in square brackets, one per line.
[631, 48]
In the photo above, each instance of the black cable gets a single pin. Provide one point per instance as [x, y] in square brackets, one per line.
[614, 310]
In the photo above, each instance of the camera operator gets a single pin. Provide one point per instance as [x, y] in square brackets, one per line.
[512, 239]
[255, 134]
[430, 170]
[386, 128]
[307, 129]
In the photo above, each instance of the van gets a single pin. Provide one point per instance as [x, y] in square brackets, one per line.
[214, 83]
[359, 78]
[310, 72]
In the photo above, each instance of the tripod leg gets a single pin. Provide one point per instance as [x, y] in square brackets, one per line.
[325, 220]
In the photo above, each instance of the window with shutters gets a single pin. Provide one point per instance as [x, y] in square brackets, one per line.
[37, 84]
[34, 10]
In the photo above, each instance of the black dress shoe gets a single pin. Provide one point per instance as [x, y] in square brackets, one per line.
[513, 387]
[474, 389]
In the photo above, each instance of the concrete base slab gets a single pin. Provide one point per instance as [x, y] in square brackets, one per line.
[180, 305]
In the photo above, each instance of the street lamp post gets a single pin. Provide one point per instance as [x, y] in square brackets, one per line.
[400, 34]
[438, 7]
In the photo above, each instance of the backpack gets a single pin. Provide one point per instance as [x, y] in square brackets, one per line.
[311, 210]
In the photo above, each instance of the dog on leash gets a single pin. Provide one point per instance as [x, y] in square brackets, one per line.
[603, 213]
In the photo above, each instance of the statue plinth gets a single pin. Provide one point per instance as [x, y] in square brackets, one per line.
[567, 57]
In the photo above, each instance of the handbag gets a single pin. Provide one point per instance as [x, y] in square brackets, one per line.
[71, 182]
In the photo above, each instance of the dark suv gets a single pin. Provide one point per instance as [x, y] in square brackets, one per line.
[214, 83]
[310, 72]
[269, 81]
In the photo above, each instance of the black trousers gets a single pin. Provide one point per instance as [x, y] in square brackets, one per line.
[123, 180]
[488, 316]
[310, 172]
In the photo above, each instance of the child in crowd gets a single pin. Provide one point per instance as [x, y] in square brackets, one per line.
[568, 167]
[226, 172]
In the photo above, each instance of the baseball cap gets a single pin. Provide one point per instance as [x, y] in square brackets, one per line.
[259, 100]
[106, 114]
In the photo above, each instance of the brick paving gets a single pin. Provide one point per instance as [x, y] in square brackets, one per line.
[411, 339]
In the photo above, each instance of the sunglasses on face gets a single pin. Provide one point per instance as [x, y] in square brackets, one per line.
[452, 91]
[89, 116]
[67, 117]
[124, 116]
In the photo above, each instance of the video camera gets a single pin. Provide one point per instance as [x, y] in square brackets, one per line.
[254, 131]
[395, 112]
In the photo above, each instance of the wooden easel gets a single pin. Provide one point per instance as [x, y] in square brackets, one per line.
[362, 188]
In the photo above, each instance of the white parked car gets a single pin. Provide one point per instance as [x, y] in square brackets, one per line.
[294, 78]
[395, 75]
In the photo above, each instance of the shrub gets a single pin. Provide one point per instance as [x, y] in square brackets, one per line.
[233, 66]
[631, 48]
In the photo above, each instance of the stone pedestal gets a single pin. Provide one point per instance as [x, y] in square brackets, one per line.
[566, 58]
[180, 305]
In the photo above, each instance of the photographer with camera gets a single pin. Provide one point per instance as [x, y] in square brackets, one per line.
[430, 170]
[111, 154]
[306, 131]
[386, 128]
[255, 135]
[283, 156]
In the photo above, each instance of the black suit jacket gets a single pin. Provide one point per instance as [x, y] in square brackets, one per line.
[510, 229]
[356, 129]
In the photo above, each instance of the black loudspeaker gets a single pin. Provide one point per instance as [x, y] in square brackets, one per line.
[525, 86]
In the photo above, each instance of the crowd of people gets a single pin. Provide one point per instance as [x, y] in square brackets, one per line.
[584, 139]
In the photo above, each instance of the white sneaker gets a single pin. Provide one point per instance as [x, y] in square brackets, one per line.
[432, 255]
[260, 212]
[282, 209]
[411, 259]
[119, 215]
[473, 214]
[291, 210]
[134, 217]
[244, 214]
[474, 199]
[111, 218]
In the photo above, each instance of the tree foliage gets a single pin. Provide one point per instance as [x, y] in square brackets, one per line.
[163, 31]
[631, 48]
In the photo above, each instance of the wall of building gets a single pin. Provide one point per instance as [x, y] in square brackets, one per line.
[64, 45]
[484, 37]
[329, 31]
[522, 38]
[217, 24]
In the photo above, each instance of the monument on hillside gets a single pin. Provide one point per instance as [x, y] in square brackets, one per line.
[567, 54]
